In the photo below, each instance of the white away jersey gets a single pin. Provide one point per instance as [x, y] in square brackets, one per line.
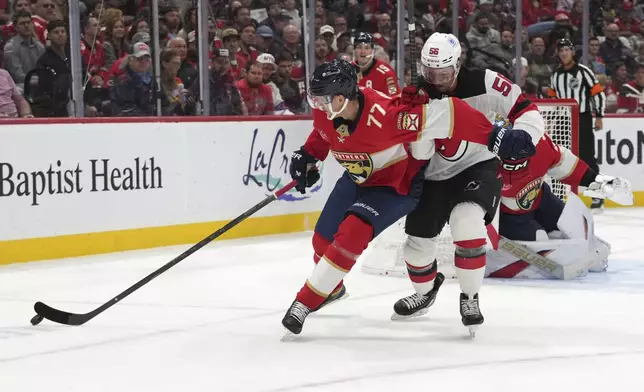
[494, 95]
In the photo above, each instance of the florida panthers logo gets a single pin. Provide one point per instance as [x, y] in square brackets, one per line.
[358, 165]
[528, 195]
[450, 149]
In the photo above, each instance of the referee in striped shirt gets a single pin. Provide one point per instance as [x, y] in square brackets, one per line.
[572, 80]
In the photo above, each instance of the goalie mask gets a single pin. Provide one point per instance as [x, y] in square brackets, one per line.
[441, 60]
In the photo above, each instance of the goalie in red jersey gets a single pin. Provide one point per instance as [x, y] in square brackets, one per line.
[538, 219]
[383, 145]
[373, 73]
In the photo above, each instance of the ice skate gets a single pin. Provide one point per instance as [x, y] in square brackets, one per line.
[293, 321]
[417, 305]
[470, 313]
[597, 206]
[335, 296]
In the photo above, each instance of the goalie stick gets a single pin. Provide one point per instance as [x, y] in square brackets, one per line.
[62, 317]
[533, 258]
[411, 29]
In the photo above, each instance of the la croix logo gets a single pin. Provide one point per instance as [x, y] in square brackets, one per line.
[268, 167]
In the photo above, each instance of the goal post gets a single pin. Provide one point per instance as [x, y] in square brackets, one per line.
[384, 255]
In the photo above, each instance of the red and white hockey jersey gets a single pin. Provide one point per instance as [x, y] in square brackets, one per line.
[388, 142]
[379, 76]
[494, 95]
[522, 182]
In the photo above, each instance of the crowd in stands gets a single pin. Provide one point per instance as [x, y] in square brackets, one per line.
[256, 53]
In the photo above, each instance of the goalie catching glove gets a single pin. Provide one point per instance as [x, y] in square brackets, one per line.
[617, 189]
[303, 170]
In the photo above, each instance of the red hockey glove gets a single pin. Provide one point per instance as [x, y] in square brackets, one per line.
[413, 96]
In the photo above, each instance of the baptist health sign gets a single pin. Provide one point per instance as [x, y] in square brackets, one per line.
[76, 189]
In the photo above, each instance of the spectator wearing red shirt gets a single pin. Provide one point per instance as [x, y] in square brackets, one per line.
[631, 96]
[247, 51]
[230, 40]
[9, 29]
[328, 34]
[92, 53]
[44, 10]
[256, 94]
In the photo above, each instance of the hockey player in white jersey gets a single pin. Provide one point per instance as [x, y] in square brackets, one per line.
[462, 183]
[535, 217]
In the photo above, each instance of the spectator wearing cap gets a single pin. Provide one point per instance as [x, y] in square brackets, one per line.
[22, 51]
[613, 50]
[481, 34]
[289, 8]
[114, 46]
[293, 45]
[230, 40]
[256, 95]
[264, 41]
[269, 69]
[171, 20]
[247, 51]
[187, 72]
[225, 99]
[51, 93]
[289, 88]
[327, 33]
[131, 90]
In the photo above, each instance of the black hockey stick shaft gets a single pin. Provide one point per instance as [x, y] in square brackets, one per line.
[413, 56]
[67, 318]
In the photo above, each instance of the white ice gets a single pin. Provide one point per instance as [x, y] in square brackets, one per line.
[212, 323]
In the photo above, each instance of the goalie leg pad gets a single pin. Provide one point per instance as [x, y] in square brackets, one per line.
[352, 238]
[468, 230]
[420, 254]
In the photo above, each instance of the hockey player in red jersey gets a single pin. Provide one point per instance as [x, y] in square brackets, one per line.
[462, 184]
[383, 146]
[530, 211]
[373, 73]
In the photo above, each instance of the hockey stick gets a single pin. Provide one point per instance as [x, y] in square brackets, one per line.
[62, 317]
[411, 27]
[533, 258]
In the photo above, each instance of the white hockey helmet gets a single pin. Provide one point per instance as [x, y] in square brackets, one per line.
[441, 59]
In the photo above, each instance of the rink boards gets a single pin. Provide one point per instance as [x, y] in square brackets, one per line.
[71, 188]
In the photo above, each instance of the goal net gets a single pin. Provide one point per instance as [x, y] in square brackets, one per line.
[385, 254]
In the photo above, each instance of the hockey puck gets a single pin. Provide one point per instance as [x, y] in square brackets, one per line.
[36, 319]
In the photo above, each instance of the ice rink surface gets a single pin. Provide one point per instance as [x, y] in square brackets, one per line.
[212, 323]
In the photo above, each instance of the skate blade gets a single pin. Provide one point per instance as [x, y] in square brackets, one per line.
[343, 297]
[472, 329]
[288, 336]
[399, 317]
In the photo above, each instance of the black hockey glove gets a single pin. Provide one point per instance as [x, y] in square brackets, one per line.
[303, 170]
[508, 143]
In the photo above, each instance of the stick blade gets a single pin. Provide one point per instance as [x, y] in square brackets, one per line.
[59, 316]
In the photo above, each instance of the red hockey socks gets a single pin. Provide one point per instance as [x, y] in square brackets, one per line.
[351, 239]
[469, 263]
[320, 245]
